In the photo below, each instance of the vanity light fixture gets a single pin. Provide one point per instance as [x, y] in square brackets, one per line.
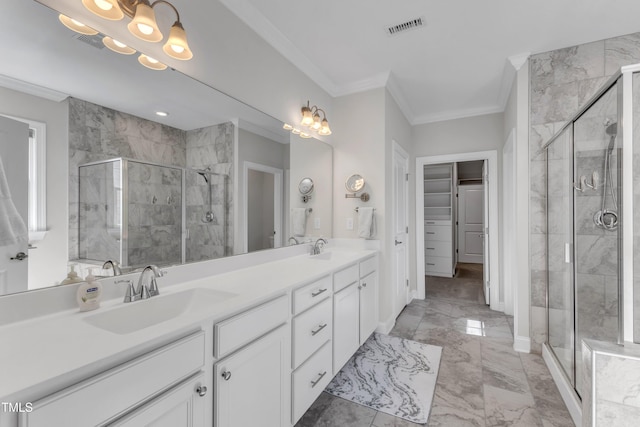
[311, 119]
[143, 23]
[76, 25]
[117, 46]
[150, 62]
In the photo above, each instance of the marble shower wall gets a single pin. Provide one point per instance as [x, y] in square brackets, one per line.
[210, 148]
[98, 133]
[561, 81]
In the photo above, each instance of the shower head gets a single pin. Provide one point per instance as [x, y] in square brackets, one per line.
[612, 130]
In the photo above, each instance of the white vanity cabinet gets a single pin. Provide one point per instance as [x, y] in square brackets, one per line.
[251, 379]
[311, 343]
[355, 312]
[113, 394]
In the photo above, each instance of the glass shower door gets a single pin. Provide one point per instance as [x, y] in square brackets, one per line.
[597, 235]
[560, 250]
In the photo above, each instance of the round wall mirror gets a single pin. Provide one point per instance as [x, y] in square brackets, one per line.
[354, 183]
[306, 186]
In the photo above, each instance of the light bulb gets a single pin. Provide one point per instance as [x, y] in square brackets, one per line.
[103, 4]
[145, 29]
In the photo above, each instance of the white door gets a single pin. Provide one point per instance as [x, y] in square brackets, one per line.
[14, 153]
[486, 269]
[471, 223]
[262, 207]
[400, 227]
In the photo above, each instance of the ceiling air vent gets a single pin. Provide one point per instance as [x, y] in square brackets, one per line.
[405, 26]
[95, 41]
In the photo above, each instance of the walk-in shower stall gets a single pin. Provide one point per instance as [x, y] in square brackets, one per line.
[588, 225]
[140, 213]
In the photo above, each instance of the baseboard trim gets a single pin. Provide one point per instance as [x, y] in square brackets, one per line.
[522, 344]
[386, 326]
[566, 390]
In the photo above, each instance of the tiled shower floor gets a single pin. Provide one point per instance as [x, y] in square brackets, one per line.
[482, 380]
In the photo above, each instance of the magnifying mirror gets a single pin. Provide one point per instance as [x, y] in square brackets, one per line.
[354, 183]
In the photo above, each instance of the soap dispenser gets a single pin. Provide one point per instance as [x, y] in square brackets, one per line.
[88, 294]
[72, 277]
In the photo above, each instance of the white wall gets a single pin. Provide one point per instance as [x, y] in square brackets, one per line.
[47, 263]
[313, 159]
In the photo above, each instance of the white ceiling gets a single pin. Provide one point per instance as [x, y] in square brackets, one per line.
[456, 65]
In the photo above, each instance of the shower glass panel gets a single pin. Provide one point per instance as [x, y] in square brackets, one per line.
[100, 211]
[559, 242]
[597, 232]
[154, 214]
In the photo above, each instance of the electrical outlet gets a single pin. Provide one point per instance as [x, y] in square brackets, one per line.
[349, 223]
[316, 223]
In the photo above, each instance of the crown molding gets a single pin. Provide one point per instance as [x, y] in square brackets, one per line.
[396, 93]
[457, 114]
[511, 67]
[32, 89]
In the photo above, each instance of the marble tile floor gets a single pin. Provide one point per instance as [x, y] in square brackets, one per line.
[482, 381]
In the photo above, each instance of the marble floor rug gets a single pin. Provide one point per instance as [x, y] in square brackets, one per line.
[391, 375]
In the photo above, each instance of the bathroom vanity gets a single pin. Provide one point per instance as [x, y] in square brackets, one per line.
[255, 345]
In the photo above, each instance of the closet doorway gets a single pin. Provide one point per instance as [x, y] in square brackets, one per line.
[262, 207]
[456, 215]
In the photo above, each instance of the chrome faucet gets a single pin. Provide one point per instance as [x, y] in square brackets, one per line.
[318, 246]
[295, 241]
[113, 265]
[144, 292]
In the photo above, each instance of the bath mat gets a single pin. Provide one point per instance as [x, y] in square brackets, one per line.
[391, 375]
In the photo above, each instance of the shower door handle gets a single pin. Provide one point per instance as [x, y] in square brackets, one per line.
[568, 258]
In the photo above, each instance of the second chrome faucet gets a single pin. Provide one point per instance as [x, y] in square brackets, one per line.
[144, 291]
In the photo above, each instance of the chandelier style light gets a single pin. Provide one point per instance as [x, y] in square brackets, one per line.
[143, 25]
[311, 119]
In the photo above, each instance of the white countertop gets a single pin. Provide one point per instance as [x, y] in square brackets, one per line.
[37, 352]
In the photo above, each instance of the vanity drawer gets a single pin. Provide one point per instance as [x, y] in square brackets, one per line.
[344, 278]
[436, 264]
[311, 329]
[437, 232]
[438, 248]
[311, 294]
[112, 393]
[309, 380]
[239, 330]
[368, 266]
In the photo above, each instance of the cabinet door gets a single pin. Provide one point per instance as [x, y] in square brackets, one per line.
[368, 305]
[181, 406]
[346, 332]
[252, 386]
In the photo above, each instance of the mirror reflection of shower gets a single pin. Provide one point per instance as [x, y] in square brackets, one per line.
[606, 218]
[208, 215]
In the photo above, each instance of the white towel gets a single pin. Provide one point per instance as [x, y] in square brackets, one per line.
[12, 226]
[298, 221]
[366, 223]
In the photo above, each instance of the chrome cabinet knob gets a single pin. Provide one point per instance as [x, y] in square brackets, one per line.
[20, 256]
[226, 375]
[201, 390]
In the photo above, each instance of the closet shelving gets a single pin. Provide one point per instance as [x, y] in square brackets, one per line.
[439, 185]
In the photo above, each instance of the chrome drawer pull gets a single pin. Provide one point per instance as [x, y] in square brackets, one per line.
[364, 285]
[431, 232]
[318, 292]
[226, 375]
[321, 327]
[314, 383]
[430, 264]
[201, 390]
[433, 249]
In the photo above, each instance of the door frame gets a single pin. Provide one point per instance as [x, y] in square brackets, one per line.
[277, 201]
[396, 149]
[492, 161]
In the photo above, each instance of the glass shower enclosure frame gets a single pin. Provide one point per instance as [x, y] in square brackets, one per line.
[139, 213]
[589, 190]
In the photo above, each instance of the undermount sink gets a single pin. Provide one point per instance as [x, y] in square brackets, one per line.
[134, 316]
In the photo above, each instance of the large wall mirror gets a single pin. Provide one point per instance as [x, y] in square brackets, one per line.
[96, 174]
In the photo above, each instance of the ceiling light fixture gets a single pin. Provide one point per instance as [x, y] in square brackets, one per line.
[151, 63]
[143, 23]
[311, 119]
